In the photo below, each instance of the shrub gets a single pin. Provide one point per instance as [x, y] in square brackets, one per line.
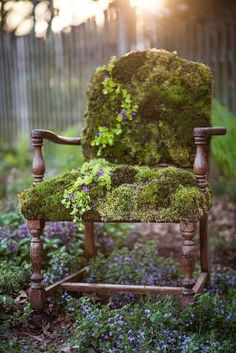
[224, 152]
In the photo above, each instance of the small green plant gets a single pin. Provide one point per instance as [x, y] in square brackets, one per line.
[94, 179]
[128, 110]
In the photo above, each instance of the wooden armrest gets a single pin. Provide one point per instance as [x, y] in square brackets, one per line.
[49, 135]
[38, 135]
[209, 131]
[201, 137]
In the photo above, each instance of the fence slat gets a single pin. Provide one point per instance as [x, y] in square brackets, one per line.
[43, 82]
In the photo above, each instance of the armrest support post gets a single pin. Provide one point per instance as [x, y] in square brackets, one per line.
[202, 135]
[38, 165]
[200, 166]
[38, 135]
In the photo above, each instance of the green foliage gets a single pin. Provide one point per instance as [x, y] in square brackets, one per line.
[224, 152]
[223, 149]
[114, 235]
[106, 136]
[61, 158]
[15, 166]
[142, 108]
[123, 267]
[12, 276]
[94, 179]
[156, 325]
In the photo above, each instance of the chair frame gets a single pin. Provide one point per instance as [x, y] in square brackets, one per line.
[38, 294]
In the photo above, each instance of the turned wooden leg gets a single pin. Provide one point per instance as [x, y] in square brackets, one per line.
[90, 250]
[188, 258]
[204, 246]
[37, 294]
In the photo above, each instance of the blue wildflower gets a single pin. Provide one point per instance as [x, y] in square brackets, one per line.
[123, 114]
[85, 188]
[100, 173]
[12, 247]
[72, 196]
[134, 113]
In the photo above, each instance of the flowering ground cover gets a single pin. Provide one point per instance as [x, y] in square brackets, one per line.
[116, 323]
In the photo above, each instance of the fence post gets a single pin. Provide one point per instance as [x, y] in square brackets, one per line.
[126, 27]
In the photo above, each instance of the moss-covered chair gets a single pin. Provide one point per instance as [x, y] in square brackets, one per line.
[143, 110]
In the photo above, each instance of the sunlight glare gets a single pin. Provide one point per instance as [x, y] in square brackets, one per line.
[74, 12]
[147, 5]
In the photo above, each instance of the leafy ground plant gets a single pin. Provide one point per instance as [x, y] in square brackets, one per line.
[155, 326]
[224, 152]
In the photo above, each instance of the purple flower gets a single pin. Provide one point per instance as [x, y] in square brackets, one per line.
[100, 173]
[134, 113]
[85, 188]
[72, 196]
[12, 247]
[23, 231]
[60, 230]
[123, 114]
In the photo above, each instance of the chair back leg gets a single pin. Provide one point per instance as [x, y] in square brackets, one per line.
[90, 249]
[204, 245]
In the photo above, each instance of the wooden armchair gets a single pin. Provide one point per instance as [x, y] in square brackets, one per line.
[157, 102]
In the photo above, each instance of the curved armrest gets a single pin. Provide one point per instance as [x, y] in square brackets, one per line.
[38, 135]
[209, 131]
[49, 135]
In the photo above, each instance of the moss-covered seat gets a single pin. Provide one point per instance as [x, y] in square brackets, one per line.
[138, 194]
[140, 161]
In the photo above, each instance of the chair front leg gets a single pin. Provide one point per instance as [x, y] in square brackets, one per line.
[37, 293]
[188, 230]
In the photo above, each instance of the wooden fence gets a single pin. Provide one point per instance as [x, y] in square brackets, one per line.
[43, 81]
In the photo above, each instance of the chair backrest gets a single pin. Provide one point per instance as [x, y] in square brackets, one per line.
[142, 109]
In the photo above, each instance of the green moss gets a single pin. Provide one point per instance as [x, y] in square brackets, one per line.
[138, 193]
[127, 66]
[43, 201]
[123, 174]
[188, 202]
[173, 97]
[118, 204]
[148, 196]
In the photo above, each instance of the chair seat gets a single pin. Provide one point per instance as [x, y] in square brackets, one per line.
[137, 194]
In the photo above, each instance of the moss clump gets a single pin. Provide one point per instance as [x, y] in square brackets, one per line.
[138, 193]
[43, 201]
[173, 96]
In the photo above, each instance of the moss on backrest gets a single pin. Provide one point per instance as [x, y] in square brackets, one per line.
[173, 95]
